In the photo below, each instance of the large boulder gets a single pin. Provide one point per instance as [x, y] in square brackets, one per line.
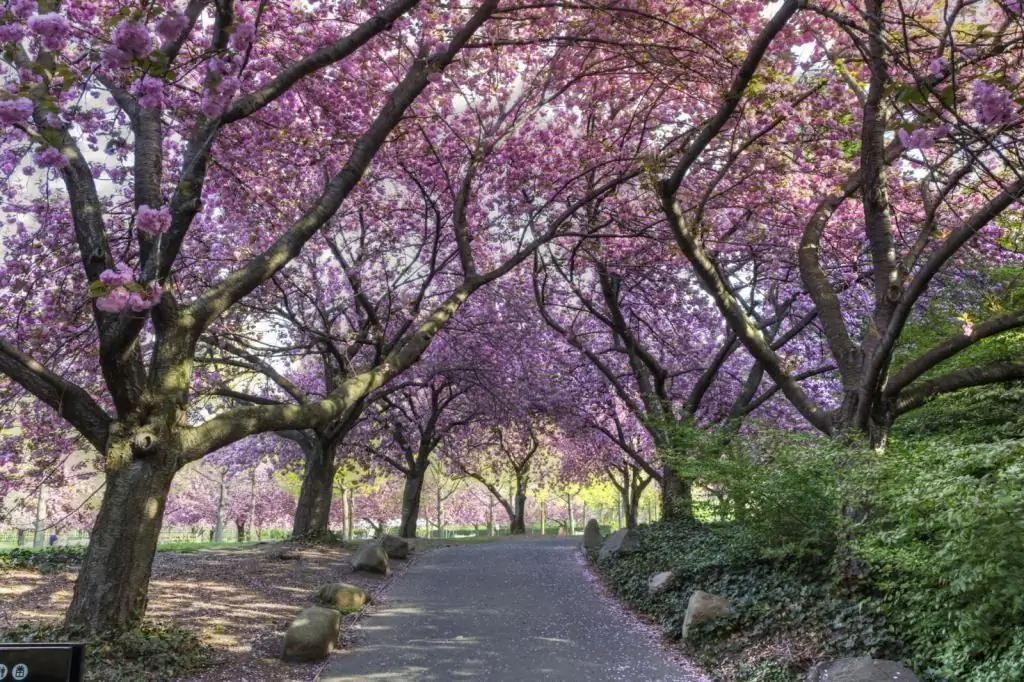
[861, 670]
[625, 541]
[592, 536]
[342, 597]
[312, 635]
[396, 548]
[659, 582]
[704, 607]
[371, 558]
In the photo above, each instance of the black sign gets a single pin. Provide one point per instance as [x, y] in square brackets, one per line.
[42, 662]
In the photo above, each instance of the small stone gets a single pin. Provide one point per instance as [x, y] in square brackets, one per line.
[658, 582]
[371, 558]
[704, 607]
[861, 669]
[592, 536]
[288, 555]
[342, 597]
[312, 635]
[625, 541]
[396, 548]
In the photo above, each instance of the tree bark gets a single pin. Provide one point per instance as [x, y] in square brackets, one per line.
[517, 519]
[39, 536]
[676, 497]
[313, 512]
[219, 521]
[112, 587]
[411, 496]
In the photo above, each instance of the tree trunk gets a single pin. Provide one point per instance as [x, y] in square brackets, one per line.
[676, 497]
[39, 536]
[252, 501]
[113, 583]
[572, 519]
[490, 517]
[219, 521]
[350, 512]
[411, 496]
[517, 525]
[240, 527]
[440, 513]
[313, 512]
[632, 509]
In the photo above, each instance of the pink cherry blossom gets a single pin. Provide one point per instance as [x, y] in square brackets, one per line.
[121, 274]
[150, 92]
[53, 29]
[114, 301]
[132, 38]
[153, 221]
[18, 110]
[170, 26]
[50, 158]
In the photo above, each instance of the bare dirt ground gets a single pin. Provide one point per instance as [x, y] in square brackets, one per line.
[240, 601]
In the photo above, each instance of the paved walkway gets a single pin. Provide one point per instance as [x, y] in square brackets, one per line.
[515, 611]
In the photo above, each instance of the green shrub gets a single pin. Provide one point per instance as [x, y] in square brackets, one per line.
[151, 653]
[43, 560]
[945, 546]
[783, 488]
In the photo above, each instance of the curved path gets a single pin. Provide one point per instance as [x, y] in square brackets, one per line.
[515, 611]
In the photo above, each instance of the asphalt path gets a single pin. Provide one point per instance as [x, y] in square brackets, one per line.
[519, 611]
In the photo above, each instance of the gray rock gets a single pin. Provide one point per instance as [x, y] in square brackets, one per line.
[371, 558]
[659, 581]
[342, 597]
[592, 536]
[861, 670]
[397, 548]
[625, 541]
[704, 607]
[312, 635]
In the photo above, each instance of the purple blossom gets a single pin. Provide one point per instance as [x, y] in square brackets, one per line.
[14, 111]
[52, 28]
[1015, 6]
[170, 26]
[113, 58]
[120, 275]
[992, 104]
[153, 221]
[11, 33]
[132, 38]
[137, 303]
[242, 37]
[50, 158]
[150, 92]
[922, 138]
[113, 302]
[938, 66]
[23, 9]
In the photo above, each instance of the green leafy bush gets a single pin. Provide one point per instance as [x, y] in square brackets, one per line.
[946, 546]
[783, 488]
[151, 653]
[43, 560]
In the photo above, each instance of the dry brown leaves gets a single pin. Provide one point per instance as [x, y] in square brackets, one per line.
[240, 601]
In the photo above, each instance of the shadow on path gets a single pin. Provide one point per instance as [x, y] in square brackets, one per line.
[516, 611]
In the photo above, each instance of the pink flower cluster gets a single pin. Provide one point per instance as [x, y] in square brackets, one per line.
[150, 92]
[120, 297]
[242, 37]
[130, 40]
[153, 221]
[52, 28]
[992, 104]
[23, 9]
[50, 158]
[922, 138]
[13, 111]
[170, 26]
